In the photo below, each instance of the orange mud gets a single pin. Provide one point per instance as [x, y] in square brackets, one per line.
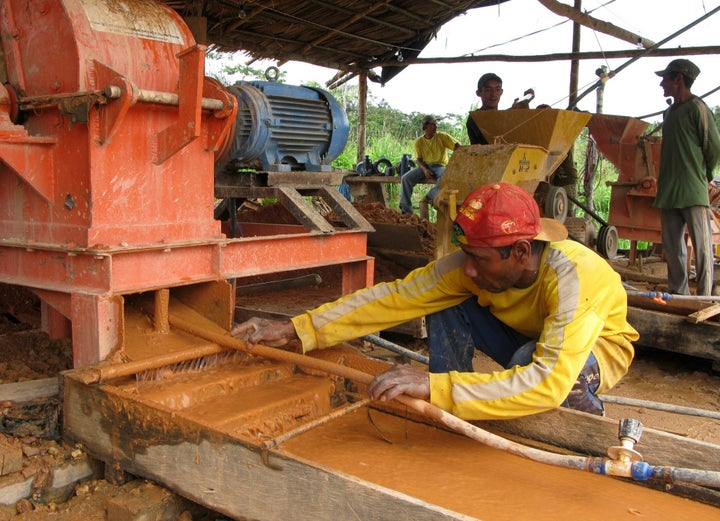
[467, 477]
[256, 401]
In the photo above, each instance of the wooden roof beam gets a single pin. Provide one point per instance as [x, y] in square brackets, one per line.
[287, 17]
[597, 25]
[591, 55]
[273, 54]
[373, 19]
[232, 42]
[249, 16]
[346, 24]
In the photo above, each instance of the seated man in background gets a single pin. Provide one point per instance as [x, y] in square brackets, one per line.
[431, 153]
[551, 311]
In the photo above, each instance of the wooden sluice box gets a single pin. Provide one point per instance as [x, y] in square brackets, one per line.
[253, 438]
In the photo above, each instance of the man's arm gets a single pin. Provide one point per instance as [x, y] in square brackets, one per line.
[398, 380]
[712, 154]
[425, 168]
[419, 153]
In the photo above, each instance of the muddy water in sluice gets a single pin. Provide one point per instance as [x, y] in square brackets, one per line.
[465, 476]
[257, 401]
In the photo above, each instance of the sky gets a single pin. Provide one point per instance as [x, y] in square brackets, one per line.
[635, 91]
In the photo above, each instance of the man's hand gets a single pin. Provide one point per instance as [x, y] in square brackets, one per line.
[272, 333]
[401, 379]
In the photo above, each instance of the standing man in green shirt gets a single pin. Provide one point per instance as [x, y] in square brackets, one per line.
[690, 151]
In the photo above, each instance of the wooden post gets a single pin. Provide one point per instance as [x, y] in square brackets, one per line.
[572, 98]
[160, 316]
[362, 113]
[575, 63]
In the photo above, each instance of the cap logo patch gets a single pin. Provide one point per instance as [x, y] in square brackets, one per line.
[470, 210]
[509, 227]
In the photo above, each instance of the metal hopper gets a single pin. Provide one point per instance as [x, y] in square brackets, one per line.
[552, 129]
[526, 147]
[636, 155]
[623, 142]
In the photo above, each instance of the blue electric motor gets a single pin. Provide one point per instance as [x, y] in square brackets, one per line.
[285, 127]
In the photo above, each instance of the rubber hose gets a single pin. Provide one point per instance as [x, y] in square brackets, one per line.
[597, 465]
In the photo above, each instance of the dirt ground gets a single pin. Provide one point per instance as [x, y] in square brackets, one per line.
[27, 354]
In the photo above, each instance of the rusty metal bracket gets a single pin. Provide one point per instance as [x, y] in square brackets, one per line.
[31, 158]
[302, 210]
[218, 137]
[187, 128]
[118, 86]
[350, 216]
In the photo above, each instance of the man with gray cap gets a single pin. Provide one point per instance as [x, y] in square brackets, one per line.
[431, 154]
[690, 150]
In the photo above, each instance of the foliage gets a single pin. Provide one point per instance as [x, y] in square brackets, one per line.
[390, 133]
[222, 67]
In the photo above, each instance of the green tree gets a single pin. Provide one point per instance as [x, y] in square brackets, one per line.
[223, 68]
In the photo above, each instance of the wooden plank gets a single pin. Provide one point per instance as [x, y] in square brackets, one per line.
[259, 288]
[409, 261]
[371, 179]
[350, 216]
[673, 333]
[33, 482]
[374, 179]
[678, 307]
[704, 314]
[26, 391]
[221, 472]
[305, 179]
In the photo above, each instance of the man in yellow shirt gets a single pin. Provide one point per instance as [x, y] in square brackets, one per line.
[431, 153]
[551, 311]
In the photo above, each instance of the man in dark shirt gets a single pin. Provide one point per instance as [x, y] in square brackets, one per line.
[489, 90]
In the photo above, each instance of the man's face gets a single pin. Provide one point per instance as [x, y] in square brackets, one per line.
[670, 85]
[490, 94]
[430, 129]
[489, 271]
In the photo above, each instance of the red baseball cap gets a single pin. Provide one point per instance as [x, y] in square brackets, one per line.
[499, 214]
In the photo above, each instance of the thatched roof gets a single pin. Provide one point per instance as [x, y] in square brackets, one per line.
[348, 35]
